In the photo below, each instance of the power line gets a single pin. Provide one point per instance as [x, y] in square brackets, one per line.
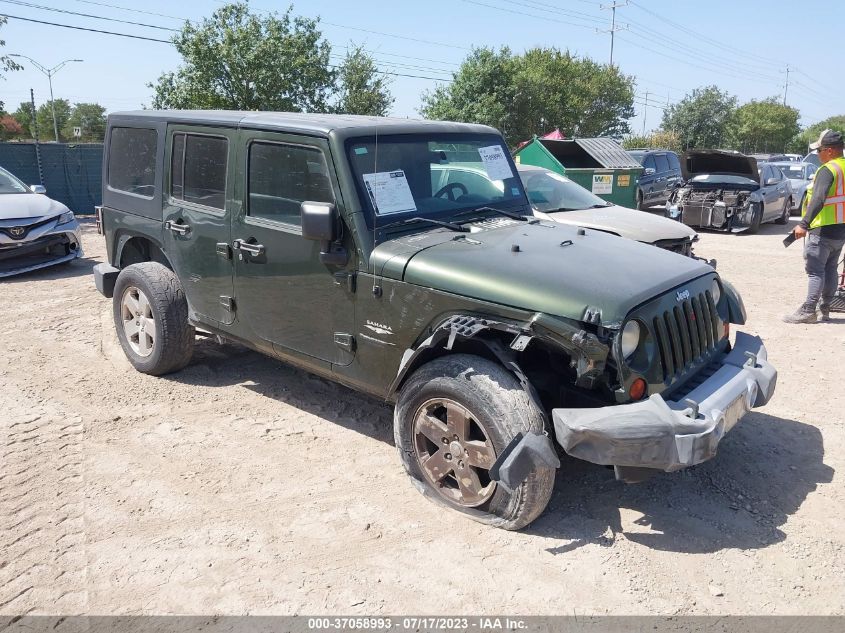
[523, 13]
[122, 8]
[88, 15]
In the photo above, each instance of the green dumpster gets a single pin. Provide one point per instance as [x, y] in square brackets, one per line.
[598, 164]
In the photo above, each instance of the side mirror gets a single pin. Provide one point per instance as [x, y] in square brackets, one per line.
[649, 171]
[771, 181]
[38, 189]
[319, 223]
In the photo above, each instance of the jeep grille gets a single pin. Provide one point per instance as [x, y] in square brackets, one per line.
[686, 334]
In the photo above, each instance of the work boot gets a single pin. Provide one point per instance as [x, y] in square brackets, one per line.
[800, 316]
[825, 313]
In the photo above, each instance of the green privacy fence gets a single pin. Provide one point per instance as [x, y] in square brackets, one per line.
[72, 173]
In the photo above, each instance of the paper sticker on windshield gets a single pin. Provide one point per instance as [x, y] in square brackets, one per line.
[389, 192]
[495, 162]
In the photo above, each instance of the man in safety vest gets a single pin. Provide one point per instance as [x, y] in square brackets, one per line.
[824, 224]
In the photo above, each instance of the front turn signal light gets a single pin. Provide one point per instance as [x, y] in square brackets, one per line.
[637, 390]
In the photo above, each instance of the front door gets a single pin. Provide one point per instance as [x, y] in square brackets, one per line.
[283, 293]
[197, 217]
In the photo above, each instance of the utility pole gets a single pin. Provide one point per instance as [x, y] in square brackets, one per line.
[786, 86]
[613, 28]
[645, 111]
[35, 135]
[49, 72]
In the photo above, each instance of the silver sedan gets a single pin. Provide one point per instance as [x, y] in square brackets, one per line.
[35, 231]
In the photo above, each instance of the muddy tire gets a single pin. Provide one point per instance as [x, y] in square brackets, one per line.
[453, 417]
[151, 319]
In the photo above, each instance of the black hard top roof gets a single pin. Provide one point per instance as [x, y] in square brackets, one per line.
[322, 124]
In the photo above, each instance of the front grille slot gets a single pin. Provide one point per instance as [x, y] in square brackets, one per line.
[686, 334]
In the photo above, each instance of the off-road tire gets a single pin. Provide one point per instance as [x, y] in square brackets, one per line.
[787, 210]
[174, 335]
[496, 398]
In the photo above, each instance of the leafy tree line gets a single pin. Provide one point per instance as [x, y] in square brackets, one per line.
[710, 118]
[89, 117]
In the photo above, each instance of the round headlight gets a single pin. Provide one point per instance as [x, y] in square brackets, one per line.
[630, 338]
[716, 291]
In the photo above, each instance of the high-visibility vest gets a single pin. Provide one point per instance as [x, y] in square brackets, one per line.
[833, 211]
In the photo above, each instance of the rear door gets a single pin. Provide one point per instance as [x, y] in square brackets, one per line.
[198, 207]
[661, 183]
[284, 294]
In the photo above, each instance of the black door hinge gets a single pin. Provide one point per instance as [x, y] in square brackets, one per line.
[344, 341]
[228, 303]
[345, 278]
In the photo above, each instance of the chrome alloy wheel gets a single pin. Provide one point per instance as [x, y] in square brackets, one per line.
[138, 321]
[454, 452]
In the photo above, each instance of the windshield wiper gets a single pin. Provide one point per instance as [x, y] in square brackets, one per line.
[448, 225]
[510, 214]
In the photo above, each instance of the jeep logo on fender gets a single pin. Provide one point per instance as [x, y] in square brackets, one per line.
[17, 231]
[681, 295]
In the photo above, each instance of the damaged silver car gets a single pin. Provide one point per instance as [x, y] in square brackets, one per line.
[725, 191]
[35, 231]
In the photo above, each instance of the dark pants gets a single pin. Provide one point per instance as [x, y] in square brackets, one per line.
[821, 257]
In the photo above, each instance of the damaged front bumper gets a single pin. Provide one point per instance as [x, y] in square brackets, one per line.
[670, 435]
[653, 435]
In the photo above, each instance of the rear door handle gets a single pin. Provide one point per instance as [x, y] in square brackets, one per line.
[252, 249]
[181, 229]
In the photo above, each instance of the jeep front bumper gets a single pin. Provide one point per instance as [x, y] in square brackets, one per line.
[655, 434]
[672, 434]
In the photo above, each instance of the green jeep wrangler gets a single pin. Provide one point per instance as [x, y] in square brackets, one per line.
[346, 246]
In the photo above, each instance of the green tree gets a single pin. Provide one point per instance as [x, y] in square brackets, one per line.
[762, 126]
[701, 118]
[6, 62]
[529, 94]
[23, 115]
[800, 142]
[44, 117]
[362, 89]
[90, 118]
[238, 60]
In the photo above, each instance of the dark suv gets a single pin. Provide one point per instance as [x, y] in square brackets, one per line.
[661, 174]
[343, 245]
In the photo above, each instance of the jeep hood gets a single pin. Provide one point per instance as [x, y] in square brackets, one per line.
[635, 225]
[713, 161]
[543, 267]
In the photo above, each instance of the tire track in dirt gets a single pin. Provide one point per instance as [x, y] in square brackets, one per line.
[42, 528]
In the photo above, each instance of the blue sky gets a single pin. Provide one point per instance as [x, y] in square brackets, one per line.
[671, 47]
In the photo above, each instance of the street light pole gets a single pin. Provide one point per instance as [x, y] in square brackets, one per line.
[49, 72]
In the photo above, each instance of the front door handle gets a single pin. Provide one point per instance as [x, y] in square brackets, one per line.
[252, 249]
[181, 229]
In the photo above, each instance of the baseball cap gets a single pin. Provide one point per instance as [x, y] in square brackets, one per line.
[828, 138]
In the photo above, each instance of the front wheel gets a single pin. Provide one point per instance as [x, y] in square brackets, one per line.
[453, 418]
[784, 216]
[756, 218]
[151, 318]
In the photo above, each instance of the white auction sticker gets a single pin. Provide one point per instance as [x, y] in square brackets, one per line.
[495, 162]
[389, 192]
[602, 183]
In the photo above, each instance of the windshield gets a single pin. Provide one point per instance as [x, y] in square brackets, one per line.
[10, 184]
[548, 191]
[793, 171]
[433, 175]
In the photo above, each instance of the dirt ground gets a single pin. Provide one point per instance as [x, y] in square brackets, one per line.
[243, 486]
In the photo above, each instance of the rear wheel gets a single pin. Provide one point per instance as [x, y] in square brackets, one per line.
[640, 203]
[453, 417]
[151, 318]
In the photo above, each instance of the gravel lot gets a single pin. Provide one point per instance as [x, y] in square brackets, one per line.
[241, 485]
